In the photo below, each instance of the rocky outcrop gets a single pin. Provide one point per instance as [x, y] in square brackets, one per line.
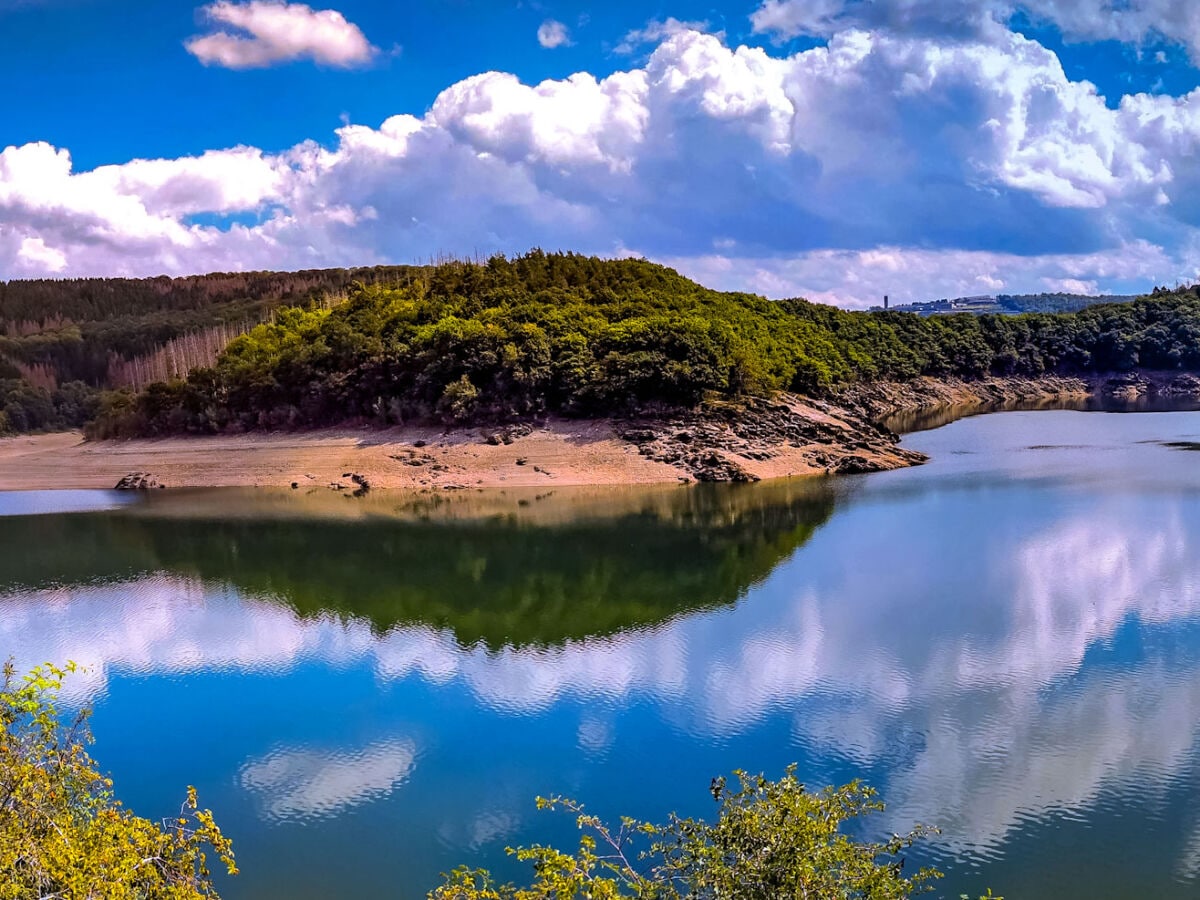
[881, 400]
[138, 481]
[363, 484]
[508, 434]
[855, 431]
[1182, 385]
[857, 465]
[1133, 386]
[1127, 387]
[717, 442]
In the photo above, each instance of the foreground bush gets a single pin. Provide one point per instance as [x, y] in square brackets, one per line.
[772, 840]
[62, 832]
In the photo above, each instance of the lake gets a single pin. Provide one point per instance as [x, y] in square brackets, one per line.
[370, 691]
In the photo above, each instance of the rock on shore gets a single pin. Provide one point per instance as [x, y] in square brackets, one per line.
[1134, 386]
[739, 442]
[138, 481]
[881, 399]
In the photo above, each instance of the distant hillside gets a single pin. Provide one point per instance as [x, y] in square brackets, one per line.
[64, 342]
[1009, 304]
[1058, 303]
[76, 327]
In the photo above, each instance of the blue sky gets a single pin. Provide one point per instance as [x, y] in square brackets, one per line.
[111, 79]
[837, 149]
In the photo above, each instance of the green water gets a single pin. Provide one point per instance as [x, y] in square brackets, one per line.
[368, 692]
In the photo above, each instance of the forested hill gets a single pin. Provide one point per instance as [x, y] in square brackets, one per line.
[103, 299]
[1056, 302]
[573, 335]
[74, 327]
[64, 341]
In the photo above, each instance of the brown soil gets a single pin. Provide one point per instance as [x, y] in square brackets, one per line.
[556, 453]
[761, 439]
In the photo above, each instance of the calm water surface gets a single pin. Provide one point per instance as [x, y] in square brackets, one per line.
[1006, 642]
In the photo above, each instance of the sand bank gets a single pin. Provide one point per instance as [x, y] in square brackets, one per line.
[789, 436]
[552, 453]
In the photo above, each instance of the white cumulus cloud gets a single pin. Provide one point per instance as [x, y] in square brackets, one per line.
[267, 32]
[655, 31]
[1130, 21]
[552, 33]
[34, 253]
[884, 162]
[860, 278]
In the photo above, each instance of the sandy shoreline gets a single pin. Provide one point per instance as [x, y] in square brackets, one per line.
[820, 437]
[584, 453]
[557, 452]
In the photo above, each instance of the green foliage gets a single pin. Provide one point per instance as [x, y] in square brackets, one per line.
[574, 335]
[63, 833]
[25, 407]
[1056, 302]
[538, 334]
[458, 400]
[74, 326]
[72, 331]
[770, 839]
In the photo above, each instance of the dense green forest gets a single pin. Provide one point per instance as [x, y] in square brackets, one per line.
[25, 407]
[62, 341]
[509, 338]
[74, 326]
[578, 336]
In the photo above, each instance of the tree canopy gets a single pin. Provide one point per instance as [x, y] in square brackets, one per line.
[543, 333]
[573, 335]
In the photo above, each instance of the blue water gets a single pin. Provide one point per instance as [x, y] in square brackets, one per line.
[28, 503]
[1006, 642]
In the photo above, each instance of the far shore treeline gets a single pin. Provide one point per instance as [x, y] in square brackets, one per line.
[505, 339]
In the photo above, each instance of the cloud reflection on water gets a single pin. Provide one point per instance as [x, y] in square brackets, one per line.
[303, 783]
[992, 702]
